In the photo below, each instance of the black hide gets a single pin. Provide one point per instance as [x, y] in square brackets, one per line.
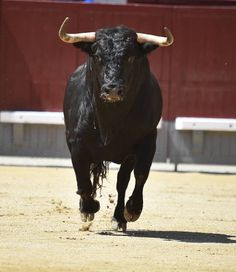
[112, 107]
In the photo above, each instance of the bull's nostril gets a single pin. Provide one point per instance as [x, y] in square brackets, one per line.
[120, 93]
[112, 86]
[105, 90]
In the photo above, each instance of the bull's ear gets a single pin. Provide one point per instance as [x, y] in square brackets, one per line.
[148, 47]
[84, 46]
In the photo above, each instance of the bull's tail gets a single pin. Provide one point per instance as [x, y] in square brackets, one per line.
[99, 172]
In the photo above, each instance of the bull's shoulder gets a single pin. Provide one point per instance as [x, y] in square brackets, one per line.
[147, 109]
[76, 87]
[77, 78]
[77, 102]
[148, 104]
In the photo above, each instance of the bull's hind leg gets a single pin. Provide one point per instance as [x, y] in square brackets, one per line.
[88, 205]
[119, 222]
[144, 156]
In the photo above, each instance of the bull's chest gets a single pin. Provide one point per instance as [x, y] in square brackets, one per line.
[115, 146]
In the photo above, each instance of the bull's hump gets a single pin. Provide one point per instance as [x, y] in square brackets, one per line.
[114, 35]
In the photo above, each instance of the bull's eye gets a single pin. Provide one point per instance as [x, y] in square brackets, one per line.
[98, 59]
[131, 59]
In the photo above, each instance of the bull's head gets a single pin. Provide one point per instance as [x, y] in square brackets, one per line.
[115, 52]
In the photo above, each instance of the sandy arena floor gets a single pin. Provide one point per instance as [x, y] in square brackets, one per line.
[188, 224]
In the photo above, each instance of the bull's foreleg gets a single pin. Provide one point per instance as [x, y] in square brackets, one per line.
[88, 205]
[144, 156]
[123, 178]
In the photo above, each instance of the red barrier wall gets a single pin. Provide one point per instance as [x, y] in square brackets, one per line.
[186, 2]
[197, 73]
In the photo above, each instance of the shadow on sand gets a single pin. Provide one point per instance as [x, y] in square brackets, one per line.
[181, 236]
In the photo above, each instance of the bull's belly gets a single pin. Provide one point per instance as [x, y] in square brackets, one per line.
[114, 152]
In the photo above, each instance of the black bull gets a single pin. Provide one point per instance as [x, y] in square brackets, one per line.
[112, 107]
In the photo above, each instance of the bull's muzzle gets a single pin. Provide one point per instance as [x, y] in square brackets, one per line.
[112, 93]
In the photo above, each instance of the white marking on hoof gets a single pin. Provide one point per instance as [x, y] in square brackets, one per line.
[116, 226]
[87, 217]
[86, 226]
[83, 217]
[123, 226]
[90, 216]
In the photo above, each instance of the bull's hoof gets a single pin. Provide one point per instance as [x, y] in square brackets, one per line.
[89, 206]
[119, 226]
[132, 211]
[87, 217]
[131, 217]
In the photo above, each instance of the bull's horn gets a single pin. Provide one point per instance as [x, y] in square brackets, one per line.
[73, 38]
[158, 40]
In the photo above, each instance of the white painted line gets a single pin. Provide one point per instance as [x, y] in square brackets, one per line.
[219, 169]
[37, 117]
[32, 117]
[167, 167]
[156, 166]
[206, 124]
[159, 126]
[35, 161]
[62, 162]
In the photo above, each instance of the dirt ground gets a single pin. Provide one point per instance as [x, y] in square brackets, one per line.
[188, 224]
